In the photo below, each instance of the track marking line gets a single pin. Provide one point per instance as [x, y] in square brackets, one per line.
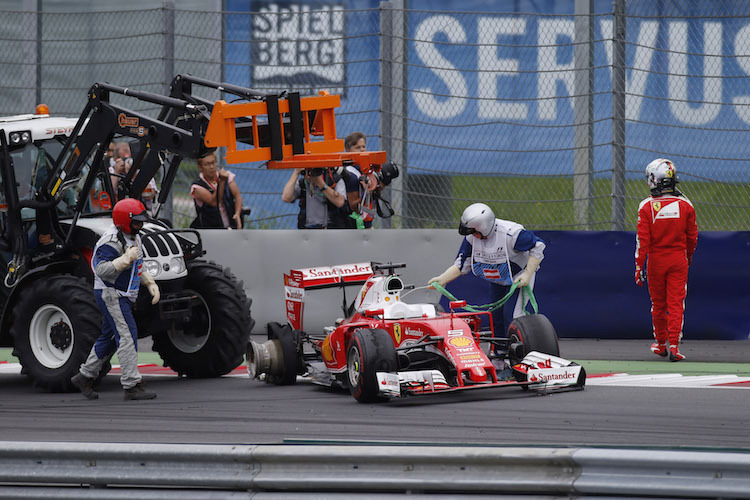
[675, 380]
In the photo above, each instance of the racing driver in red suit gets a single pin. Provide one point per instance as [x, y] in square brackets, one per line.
[667, 234]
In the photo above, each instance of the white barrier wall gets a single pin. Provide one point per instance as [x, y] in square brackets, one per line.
[261, 257]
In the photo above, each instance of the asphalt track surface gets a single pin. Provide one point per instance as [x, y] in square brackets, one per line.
[236, 410]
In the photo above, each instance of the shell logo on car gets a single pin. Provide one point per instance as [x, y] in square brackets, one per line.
[460, 341]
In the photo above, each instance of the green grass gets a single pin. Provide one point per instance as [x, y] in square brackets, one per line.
[546, 202]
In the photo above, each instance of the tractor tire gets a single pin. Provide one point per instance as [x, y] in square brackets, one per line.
[536, 333]
[213, 340]
[55, 323]
[287, 343]
[369, 351]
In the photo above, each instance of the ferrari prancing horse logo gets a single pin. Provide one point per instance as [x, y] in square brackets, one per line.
[656, 205]
[397, 332]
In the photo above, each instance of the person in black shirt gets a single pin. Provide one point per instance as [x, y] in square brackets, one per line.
[217, 198]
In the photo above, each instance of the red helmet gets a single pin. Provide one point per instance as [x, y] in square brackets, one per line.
[125, 212]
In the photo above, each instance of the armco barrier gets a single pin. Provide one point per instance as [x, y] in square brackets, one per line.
[585, 285]
[109, 471]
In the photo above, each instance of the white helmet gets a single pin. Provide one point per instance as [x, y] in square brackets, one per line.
[477, 218]
[661, 176]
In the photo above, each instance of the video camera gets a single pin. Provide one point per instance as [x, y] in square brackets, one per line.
[388, 172]
[314, 172]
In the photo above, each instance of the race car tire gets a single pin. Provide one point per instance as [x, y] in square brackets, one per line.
[536, 333]
[55, 323]
[369, 351]
[213, 340]
[288, 341]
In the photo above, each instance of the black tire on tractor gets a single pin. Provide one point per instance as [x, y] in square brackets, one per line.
[213, 340]
[369, 351]
[536, 333]
[55, 323]
[288, 343]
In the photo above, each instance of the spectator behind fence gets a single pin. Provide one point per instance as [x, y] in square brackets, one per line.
[217, 198]
[363, 192]
[120, 163]
[322, 198]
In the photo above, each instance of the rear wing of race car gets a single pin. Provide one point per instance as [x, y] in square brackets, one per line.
[316, 278]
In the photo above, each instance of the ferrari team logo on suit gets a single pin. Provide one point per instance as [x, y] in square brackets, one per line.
[670, 211]
[656, 205]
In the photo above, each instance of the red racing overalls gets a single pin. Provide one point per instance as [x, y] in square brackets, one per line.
[667, 234]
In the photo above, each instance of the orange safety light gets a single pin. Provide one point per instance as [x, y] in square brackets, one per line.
[41, 109]
[289, 144]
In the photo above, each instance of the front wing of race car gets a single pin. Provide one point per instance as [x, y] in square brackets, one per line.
[536, 371]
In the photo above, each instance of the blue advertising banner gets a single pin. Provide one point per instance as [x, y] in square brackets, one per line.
[490, 87]
[493, 72]
[585, 281]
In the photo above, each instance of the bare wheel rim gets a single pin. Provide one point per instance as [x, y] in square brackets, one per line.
[51, 336]
[187, 342]
[353, 366]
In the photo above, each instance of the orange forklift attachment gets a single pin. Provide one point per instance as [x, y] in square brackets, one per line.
[286, 143]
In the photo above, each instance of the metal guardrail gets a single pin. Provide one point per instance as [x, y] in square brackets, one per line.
[187, 472]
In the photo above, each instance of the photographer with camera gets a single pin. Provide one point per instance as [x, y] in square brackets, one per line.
[120, 164]
[322, 198]
[364, 197]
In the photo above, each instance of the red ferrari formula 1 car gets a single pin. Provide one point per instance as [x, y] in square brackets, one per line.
[387, 348]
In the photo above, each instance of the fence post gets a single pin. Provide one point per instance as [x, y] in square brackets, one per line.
[31, 48]
[618, 116]
[168, 209]
[583, 103]
[393, 97]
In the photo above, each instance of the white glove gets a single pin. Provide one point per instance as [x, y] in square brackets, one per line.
[153, 289]
[524, 278]
[449, 275]
[151, 286]
[123, 261]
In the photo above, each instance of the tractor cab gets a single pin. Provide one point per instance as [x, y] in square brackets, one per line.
[31, 143]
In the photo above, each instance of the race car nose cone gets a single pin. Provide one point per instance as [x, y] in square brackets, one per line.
[477, 374]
